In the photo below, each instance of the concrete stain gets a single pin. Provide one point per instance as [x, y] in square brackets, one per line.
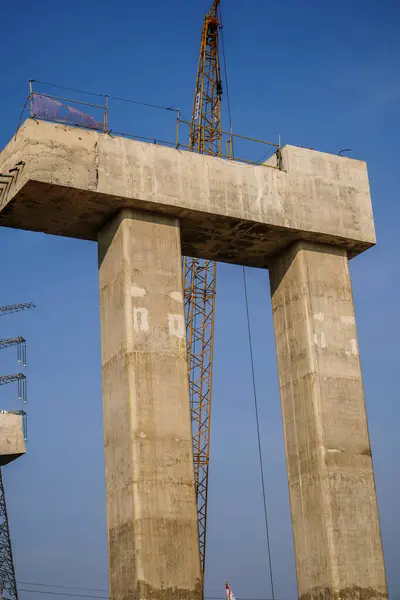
[144, 591]
[349, 593]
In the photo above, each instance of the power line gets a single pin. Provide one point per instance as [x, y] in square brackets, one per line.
[258, 436]
[106, 597]
[62, 87]
[86, 589]
[61, 594]
[172, 108]
[64, 587]
[226, 76]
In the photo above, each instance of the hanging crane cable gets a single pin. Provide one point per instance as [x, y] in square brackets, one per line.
[263, 487]
[228, 102]
[200, 276]
[264, 494]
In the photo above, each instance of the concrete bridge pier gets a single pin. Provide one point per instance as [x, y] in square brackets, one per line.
[151, 507]
[302, 222]
[335, 521]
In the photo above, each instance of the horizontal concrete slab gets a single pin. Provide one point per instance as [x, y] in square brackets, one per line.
[70, 182]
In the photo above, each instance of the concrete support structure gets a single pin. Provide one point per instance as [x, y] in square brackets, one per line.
[151, 511]
[335, 520]
[301, 222]
[12, 443]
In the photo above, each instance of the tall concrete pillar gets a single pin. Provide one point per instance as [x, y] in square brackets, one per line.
[151, 507]
[337, 537]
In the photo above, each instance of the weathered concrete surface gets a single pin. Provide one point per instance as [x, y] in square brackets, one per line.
[73, 181]
[332, 492]
[151, 508]
[12, 443]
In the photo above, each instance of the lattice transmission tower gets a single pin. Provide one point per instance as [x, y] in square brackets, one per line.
[8, 584]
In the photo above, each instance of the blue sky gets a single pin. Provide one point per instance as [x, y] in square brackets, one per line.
[321, 75]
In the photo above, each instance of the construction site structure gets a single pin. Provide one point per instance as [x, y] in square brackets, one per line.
[12, 308]
[13, 435]
[20, 342]
[8, 584]
[303, 222]
[199, 274]
[20, 378]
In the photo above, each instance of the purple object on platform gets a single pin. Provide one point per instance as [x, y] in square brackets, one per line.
[53, 110]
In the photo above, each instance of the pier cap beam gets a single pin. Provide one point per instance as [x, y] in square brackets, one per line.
[70, 182]
[12, 443]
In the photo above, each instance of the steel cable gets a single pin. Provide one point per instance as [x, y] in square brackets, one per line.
[264, 495]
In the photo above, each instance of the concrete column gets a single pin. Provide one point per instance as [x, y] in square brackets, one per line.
[335, 521]
[151, 507]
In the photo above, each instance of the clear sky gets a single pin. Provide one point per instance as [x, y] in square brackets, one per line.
[322, 75]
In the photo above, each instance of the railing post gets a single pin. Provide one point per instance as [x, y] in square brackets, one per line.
[177, 129]
[30, 98]
[106, 115]
[279, 153]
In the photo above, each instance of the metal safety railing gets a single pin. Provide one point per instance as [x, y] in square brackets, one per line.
[66, 110]
[227, 141]
[57, 109]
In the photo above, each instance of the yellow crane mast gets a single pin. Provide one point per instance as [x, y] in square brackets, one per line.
[206, 131]
[200, 274]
